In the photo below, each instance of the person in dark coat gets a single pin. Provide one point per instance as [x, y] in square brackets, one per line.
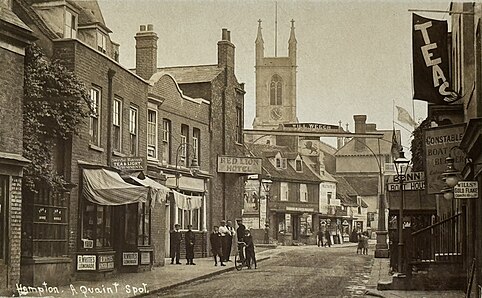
[320, 238]
[250, 254]
[189, 239]
[216, 247]
[240, 237]
[328, 239]
[175, 244]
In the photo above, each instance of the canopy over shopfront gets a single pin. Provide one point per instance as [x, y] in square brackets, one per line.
[158, 191]
[105, 187]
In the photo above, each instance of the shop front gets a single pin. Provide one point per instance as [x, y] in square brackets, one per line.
[187, 206]
[115, 224]
[294, 225]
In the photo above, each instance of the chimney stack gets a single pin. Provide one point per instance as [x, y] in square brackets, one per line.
[360, 127]
[371, 127]
[226, 50]
[146, 51]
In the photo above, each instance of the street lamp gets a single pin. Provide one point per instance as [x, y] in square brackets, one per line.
[401, 166]
[193, 166]
[451, 175]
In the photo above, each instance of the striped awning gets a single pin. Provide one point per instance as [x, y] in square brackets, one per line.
[158, 191]
[104, 187]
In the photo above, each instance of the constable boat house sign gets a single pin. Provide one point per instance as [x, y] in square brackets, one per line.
[239, 165]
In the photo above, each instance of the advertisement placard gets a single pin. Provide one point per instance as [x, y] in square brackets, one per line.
[86, 262]
[466, 190]
[130, 258]
[439, 143]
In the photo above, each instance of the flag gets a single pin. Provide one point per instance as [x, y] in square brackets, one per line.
[404, 116]
[430, 54]
[395, 146]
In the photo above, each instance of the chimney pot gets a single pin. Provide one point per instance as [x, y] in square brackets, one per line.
[224, 34]
[142, 28]
[150, 27]
[360, 127]
[228, 36]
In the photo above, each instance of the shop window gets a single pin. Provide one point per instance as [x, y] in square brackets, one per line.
[166, 140]
[284, 191]
[133, 130]
[44, 224]
[116, 124]
[96, 226]
[152, 133]
[329, 196]
[70, 25]
[144, 231]
[189, 217]
[95, 98]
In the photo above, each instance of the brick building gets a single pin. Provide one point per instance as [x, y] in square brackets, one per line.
[218, 85]
[104, 224]
[14, 37]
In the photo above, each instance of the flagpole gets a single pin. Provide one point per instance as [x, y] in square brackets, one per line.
[393, 113]
[402, 126]
[413, 101]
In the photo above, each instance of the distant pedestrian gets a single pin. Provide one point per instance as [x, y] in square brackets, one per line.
[240, 231]
[175, 244]
[216, 247]
[229, 240]
[223, 230]
[359, 248]
[320, 238]
[250, 254]
[365, 243]
[190, 240]
[328, 238]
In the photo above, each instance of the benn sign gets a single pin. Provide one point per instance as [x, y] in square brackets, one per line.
[239, 165]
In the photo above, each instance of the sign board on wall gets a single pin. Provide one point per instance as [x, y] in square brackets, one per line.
[466, 190]
[145, 258]
[129, 163]
[106, 262]
[438, 142]
[86, 262]
[239, 165]
[413, 181]
[130, 258]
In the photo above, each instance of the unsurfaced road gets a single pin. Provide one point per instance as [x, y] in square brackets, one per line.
[305, 271]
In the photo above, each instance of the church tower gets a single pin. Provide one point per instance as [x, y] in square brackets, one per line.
[275, 85]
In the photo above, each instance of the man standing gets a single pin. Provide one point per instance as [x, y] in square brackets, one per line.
[190, 239]
[175, 244]
[216, 247]
[320, 237]
[224, 232]
[229, 239]
[328, 238]
[240, 232]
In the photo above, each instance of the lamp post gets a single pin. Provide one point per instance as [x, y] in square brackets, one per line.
[266, 183]
[193, 166]
[401, 166]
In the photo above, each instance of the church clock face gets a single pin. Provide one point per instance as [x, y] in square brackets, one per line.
[276, 113]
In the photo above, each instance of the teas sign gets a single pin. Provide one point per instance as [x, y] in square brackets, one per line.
[86, 262]
[239, 165]
[440, 142]
[129, 163]
[466, 190]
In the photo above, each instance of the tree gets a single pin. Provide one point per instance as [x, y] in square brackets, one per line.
[55, 104]
[418, 153]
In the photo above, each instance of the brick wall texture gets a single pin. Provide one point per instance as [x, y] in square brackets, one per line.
[15, 230]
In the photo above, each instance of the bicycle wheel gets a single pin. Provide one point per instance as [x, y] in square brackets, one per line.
[238, 263]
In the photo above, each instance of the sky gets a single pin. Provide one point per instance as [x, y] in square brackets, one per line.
[354, 57]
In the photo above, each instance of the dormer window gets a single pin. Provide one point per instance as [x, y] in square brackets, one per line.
[70, 25]
[280, 162]
[101, 42]
[298, 164]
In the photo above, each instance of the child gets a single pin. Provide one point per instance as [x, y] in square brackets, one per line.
[365, 243]
[216, 247]
[250, 254]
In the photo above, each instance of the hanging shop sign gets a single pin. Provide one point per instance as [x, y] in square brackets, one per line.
[239, 165]
[300, 209]
[136, 163]
[431, 74]
[130, 258]
[311, 127]
[106, 262]
[439, 143]
[412, 181]
[466, 190]
[86, 262]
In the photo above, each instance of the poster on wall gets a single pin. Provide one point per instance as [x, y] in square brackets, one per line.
[251, 197]
[86, 262]
[130, 258]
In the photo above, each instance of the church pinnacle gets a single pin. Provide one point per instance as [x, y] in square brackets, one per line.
[259, 38]
[292, 33]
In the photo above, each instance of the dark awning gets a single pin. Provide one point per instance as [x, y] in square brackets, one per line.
[104, 187]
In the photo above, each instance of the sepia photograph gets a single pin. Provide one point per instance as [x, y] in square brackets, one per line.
[230, 148]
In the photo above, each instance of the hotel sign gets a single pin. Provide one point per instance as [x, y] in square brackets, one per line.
[438, 143]
[239, 165]
[466, 190]
[129, 163]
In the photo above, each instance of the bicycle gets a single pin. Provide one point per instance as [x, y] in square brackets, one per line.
[239, 260]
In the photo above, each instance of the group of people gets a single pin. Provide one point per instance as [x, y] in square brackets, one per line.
[221, 239]
[362, 246]
[327, 237]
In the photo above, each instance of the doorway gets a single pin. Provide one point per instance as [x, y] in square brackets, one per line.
[295, 218]
[167, 247]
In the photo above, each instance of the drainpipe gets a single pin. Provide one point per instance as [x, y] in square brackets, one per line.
[110, 101]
